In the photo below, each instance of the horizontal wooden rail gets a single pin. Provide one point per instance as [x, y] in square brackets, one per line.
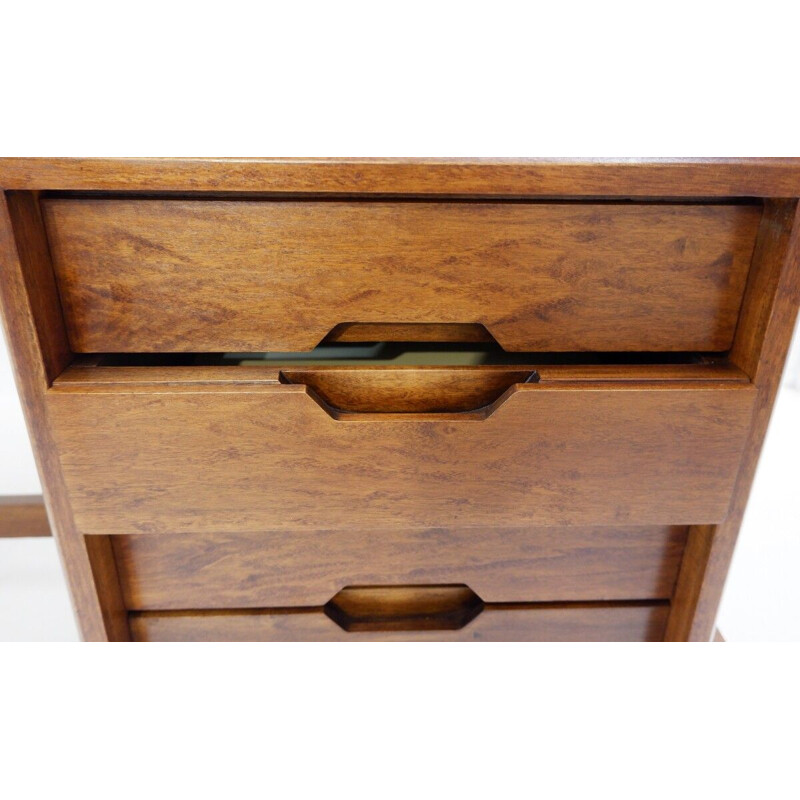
[23, 515]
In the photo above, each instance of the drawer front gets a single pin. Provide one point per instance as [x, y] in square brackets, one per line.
[557, 623]
[201, 275]
[307, 568]
[253, 459]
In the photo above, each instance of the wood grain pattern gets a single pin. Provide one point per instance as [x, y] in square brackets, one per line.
[84, 373]
[399, 390]
[306, 568]
[515, 177]
[442, 607]
[22, 516]
[272, 459]
[27, 237]
[37, 343]
[770, 306]
[762, 341]
[162, 275]
[544, 623]
[231, 460]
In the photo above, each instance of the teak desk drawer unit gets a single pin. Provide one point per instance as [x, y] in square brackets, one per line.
[398, 400]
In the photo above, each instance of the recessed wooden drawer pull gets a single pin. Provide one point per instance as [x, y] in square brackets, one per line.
[404, 608]
[448, 390]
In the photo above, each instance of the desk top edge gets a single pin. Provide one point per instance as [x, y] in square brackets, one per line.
[486, 177]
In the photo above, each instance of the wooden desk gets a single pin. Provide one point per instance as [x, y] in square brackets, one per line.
[396, 400]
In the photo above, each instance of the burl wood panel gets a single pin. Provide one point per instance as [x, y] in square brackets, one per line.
[556, 623]
[306, 568]
[247, 458]
[161, 275]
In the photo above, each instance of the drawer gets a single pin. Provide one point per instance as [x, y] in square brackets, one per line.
[208, 456]
[630, 622]
[138, 275]
[307, 568]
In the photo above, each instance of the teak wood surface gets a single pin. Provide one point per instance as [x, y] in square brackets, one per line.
[468, 177]
[39, 350]
[762, 341]
[408, 390]
[22, 516]
[505, 565]
[418, 607]
[255, 458]
[247, 496]
[161, 275]
[529, 623]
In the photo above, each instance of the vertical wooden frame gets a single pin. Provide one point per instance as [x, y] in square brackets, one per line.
[40, 351]
[763, 335]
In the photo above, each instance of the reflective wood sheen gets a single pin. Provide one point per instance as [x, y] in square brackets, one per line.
[225, 502]
[273, 459]
[273, 568]
[546, 623]
[160, 275]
